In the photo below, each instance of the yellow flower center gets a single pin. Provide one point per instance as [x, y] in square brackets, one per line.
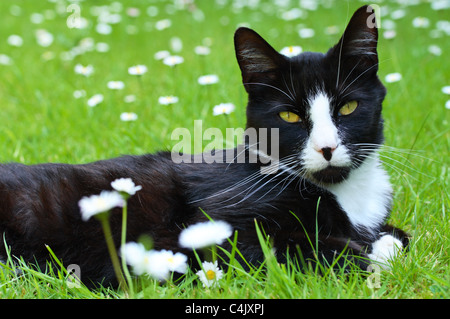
[291, 49]
[210, 274]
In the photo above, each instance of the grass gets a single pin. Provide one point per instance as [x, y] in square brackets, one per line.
[43, 122]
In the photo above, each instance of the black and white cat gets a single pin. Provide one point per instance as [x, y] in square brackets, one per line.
[329, 184]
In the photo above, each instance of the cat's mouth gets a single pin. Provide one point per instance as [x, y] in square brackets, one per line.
[331, 174]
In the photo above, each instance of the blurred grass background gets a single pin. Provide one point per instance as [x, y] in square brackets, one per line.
[42, 120]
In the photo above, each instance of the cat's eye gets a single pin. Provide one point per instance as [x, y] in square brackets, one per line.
[348, 108]
[290, 117]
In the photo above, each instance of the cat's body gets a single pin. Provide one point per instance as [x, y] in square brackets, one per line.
[329, 181]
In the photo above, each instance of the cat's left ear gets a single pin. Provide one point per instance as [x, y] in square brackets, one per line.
[359, 41]
[257, 59]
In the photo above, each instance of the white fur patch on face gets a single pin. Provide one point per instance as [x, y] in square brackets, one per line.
[324, 134]
[384, 249]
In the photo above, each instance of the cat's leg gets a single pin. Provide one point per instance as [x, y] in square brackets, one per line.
[390, 243]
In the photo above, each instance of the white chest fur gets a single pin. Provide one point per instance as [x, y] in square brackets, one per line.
[365, 195]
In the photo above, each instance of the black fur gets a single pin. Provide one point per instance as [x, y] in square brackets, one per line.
[39, 204]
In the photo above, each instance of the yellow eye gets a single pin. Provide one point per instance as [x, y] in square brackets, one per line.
[290, 117]
[348, 108]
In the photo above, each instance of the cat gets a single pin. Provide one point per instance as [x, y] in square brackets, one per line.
[329, 187]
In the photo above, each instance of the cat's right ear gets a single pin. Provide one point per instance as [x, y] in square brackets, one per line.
[258, 61]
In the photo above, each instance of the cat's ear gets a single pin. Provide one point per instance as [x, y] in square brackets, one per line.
[257, 59]
[359, 41]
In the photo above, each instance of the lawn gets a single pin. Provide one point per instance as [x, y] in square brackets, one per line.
[57, 61]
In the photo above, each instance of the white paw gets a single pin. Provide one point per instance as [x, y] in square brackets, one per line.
[385, 249]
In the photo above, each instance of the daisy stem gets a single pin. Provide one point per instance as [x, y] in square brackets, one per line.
[122, 244]
[112, 251]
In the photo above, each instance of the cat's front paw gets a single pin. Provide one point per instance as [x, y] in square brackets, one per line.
[384, 249]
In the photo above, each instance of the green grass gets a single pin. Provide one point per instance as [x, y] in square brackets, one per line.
[43, 122]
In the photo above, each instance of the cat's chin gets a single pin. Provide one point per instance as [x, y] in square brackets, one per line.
[331, 175]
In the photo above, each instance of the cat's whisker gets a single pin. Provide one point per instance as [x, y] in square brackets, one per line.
[273, 87]
[362, 73]
[348, 75]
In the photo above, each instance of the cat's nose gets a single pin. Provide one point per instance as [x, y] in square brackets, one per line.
[327, 152]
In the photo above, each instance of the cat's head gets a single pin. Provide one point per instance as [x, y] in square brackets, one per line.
[327, 106]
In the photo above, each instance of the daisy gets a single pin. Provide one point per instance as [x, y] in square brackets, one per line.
[95, 100]
[166, 100]
[446, 89]
[208, 79]
[435, 50]
[5, 60]
[389, 34]
[447, 105]
[174, 262]
[202, 50]
[103, 28]
[157, 264]
[78, 94]
[223, 108]
[176, 44]
[125, 185]
[173, 60]
[393, 77]
[116, 85]
[160, 55]
[84, 70]
[15, 40]
[163, 24]
[205, 234]
[137, 70]
[97, 204]
[291, 51]
[421, 22]
[210, 274]
[306, 33]
[128, 116]
[44, 38]
[130, 98]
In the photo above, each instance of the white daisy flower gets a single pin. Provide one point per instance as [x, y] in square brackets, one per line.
[166, 100]
[447, 105]
[446, 89]
[173, 60]
[103, 28]
[125, 185]
[421, 22]
[393, 77]
[78, 94]
[97, 204]
[137, 70]
[202, 50]
[130, 98]
[174, 262]
[210, 274]
[15, 40]
[163, 24]
[160, 55]
[157, 264]
[208, 79]
[44, 38]
[95, 100]
[128, 116]
[84, 70]
[306, 33]
[116, 85]
[5, 60]
[205, 234]
[291, 51]
[223, 108]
